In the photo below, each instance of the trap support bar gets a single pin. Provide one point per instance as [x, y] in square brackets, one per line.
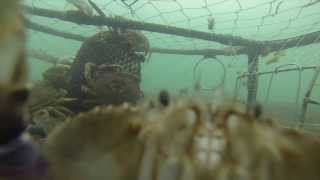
[118, 22]
[47, 58]
[274, 71]
[253, 79]
[247, 74]
[201, 52]
[45, 29]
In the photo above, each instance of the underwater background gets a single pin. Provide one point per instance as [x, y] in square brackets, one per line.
[251, 19]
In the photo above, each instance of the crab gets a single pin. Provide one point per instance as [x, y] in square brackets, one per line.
[48, 106]
[49, 117]
[185, 139]
[57, 76]
[107, 84]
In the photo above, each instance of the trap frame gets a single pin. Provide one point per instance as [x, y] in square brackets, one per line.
[306, 100]
[230, 36]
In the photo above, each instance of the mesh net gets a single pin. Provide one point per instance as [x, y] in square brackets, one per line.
[266, 19]
[256, 20]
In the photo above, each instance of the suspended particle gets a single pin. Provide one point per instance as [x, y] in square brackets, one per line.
[164, 98]
[211, 23]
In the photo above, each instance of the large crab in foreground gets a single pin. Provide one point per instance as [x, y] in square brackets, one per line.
[187, 139]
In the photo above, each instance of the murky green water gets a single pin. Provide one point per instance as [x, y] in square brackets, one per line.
[256, 20]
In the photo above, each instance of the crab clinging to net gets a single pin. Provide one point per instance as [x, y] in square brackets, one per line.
[127, 49]
[185, 139]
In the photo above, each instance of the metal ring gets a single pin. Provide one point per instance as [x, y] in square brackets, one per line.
[222, 79]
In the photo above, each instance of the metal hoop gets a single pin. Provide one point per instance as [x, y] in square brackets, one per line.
[222, 79]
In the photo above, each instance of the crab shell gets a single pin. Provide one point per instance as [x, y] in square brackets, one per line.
[106, 85]
[58, 76]
[186, 139]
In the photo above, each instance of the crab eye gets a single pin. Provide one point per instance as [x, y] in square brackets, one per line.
[164, 98]
[20, 95]
[141, 56]
[257, 110]
[140, 53]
